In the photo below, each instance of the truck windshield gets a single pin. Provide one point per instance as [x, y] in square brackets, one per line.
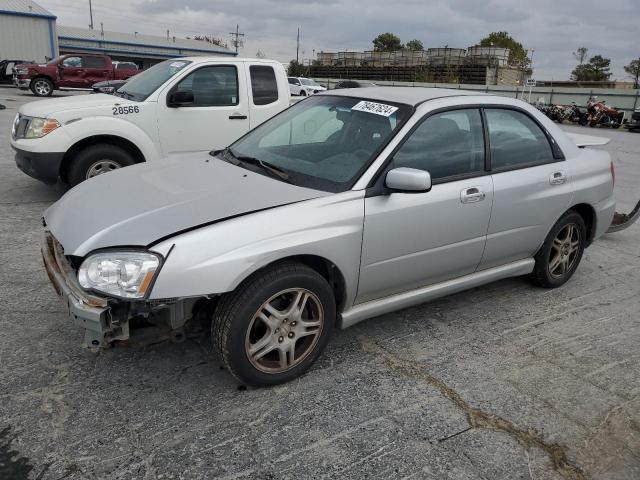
[324, 142]
[138, 88]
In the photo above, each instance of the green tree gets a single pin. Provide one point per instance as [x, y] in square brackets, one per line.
[387, 42]
[596, 70]
[296, 69]
[414, 45]
[633, 69]
[517, 54]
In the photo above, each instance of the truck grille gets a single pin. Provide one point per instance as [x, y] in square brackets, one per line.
[20, 125]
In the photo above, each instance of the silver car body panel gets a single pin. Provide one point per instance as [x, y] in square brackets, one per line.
[141, 204]
[216, 258]
[412, 247]
[416, 239]
[416, 296]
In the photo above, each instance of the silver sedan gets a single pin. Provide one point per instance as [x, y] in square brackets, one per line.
[348, 205]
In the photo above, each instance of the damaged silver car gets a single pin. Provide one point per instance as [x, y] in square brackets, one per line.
[346, 206]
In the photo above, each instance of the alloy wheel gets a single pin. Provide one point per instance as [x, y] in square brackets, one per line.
[284, 330]
[42, 88]
[102, 166]
[565, 250]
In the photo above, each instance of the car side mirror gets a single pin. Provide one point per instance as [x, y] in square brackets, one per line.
[180, 99]
[410, 180]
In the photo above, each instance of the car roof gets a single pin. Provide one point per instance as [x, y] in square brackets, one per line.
[408, 95]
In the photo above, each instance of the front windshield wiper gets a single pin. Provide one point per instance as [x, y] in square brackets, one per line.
[269, 167]
[124, 94]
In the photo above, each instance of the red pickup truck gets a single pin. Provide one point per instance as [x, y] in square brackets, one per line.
[70, 71]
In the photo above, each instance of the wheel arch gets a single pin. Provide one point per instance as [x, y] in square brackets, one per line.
[115, 140]
[323, 266]
[588, 214]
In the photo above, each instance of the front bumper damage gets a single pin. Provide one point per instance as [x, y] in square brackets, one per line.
[107, 320]
[87, 311]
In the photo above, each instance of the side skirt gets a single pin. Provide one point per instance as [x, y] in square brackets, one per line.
[373, 308]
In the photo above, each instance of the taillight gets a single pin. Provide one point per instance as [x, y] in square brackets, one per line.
[613, 173]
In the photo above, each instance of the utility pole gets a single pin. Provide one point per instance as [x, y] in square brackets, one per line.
[298, 46]
[90, 16]
[236, 38]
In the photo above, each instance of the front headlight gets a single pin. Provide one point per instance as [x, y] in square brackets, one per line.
[121, 274]
[22, 71]
[39, 127]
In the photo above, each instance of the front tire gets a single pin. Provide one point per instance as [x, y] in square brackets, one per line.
[303, 93]
[97, 160]
[42, 87]
[273, 327]
[561, 252]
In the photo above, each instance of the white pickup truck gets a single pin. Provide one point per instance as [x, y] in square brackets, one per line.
[181, 105]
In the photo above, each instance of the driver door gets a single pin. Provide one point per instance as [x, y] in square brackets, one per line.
[71, 73]
[412, 240]
[218, 115]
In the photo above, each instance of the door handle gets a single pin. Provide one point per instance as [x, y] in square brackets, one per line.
[558, 178]
[237, 117]
[472, 195]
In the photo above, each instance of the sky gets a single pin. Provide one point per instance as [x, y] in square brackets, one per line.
[552, 28]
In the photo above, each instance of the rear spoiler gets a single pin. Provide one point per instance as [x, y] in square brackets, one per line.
[587, 140]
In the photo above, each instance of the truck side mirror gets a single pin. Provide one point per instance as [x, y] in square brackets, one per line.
[180, 99]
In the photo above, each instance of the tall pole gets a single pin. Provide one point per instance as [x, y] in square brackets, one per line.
[298, 46]
[90, 16]
[236, 37]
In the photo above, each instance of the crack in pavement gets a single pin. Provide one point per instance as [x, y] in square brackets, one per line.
[478, 418]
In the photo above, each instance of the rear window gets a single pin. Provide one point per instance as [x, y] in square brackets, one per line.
[94, 62]
[263, 84]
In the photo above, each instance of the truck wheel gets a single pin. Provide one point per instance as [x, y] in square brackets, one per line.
[561, 252]
[42, 87]
[97, 160]
[275, 325]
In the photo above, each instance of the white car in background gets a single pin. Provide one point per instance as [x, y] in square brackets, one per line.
[304, 86]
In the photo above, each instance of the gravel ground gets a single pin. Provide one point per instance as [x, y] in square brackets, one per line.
[501, 382]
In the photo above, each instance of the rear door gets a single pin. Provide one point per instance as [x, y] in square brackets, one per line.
[532, 187]
[268, 94]
[218, 115]
[96, 69]
[417, 239]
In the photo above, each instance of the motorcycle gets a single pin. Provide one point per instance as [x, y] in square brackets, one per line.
[599, 113]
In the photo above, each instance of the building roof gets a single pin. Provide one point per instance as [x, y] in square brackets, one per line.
[25, 7]
[74, 36]
[406, 95]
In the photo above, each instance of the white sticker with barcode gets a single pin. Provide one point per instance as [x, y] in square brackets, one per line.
[375, 108]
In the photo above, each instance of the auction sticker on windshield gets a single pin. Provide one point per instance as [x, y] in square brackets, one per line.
[376, 108]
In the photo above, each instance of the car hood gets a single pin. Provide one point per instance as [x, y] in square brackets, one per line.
[138, 205]
[44, 108]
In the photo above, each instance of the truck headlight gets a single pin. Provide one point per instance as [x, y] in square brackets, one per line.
[39, 127]
[22, 71]
[121, 274]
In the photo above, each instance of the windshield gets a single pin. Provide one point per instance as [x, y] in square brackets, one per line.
[307, 81]
[138, 88]
[324, 142]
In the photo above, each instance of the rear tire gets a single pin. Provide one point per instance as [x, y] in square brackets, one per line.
[97, 160]
[41, 87]
[275, 325]
[561, 252]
